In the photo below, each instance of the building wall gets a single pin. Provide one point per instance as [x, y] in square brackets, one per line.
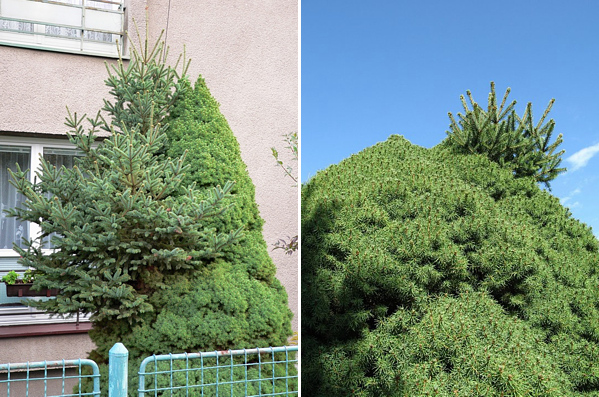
[248, 54]
[41, 348]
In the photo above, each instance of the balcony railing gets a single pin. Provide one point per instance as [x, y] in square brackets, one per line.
[91, 27]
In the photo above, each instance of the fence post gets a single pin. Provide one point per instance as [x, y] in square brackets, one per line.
[118, 357]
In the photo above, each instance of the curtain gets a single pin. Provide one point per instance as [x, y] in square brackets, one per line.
[58, 158]
[16, 26]
[11, 229]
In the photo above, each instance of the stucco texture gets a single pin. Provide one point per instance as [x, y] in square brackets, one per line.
[248, 54]
[40, 348]
[43, 348]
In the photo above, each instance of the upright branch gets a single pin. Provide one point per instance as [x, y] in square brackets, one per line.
[507, 139]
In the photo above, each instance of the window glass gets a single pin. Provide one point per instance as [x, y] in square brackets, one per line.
[59, 158]
[12, 230]
[61, 31]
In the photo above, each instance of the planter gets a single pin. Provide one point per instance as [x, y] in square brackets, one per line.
[20, 290]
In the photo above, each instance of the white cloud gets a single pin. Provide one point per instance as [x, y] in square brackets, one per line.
[582, 157]
[564, 201]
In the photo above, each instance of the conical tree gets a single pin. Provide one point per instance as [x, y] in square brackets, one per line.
[236, 301]
[140, 247]
[198, 127]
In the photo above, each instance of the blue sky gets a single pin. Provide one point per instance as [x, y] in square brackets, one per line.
[372, 69]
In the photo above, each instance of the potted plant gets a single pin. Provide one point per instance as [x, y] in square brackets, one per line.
[20, 287]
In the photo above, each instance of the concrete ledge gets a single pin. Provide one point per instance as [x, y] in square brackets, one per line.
[18, 331]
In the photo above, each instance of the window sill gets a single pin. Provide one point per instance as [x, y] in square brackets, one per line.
[19, 331]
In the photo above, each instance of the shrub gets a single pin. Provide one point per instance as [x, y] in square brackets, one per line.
[163, 258]
[426, 272]
[199, 129]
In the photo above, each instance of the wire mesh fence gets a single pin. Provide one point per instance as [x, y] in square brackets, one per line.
[49, 378]
[248, 372]
[268, 371]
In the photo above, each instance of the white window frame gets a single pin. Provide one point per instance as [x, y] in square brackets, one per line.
[54, 13]
[25, 315]
[37, 150]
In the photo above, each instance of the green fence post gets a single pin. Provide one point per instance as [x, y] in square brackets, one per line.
[118, 357]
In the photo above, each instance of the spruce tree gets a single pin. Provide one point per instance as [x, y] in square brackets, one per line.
[163, 260]
[235, 301]
[507, 139]
[120, 219]
[430, 272]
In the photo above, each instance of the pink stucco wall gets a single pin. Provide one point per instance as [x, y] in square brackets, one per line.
[248, 54]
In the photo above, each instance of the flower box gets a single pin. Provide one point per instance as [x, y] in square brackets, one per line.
[24, 289]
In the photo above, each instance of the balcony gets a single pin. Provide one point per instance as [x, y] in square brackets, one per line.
[90, 27]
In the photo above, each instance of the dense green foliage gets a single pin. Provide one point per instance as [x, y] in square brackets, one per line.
[120, 220]
[426, 272]
[163, 260]
[198, 127]
[235, 301]
[505, 138]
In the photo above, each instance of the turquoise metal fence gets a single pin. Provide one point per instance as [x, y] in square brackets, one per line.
[55, 378]
[268, 371]
[247, 372]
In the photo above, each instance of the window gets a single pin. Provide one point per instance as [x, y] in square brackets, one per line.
[26, 153]
[27, 157]
[58, 157]
[12, 230]
[92, 27]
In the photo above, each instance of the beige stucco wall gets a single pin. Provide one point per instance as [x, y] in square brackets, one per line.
[40, 348]
[248, 54]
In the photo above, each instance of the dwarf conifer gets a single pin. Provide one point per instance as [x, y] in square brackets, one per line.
[162, 258]
[426, 272]
[120, 220]
[235, 301]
